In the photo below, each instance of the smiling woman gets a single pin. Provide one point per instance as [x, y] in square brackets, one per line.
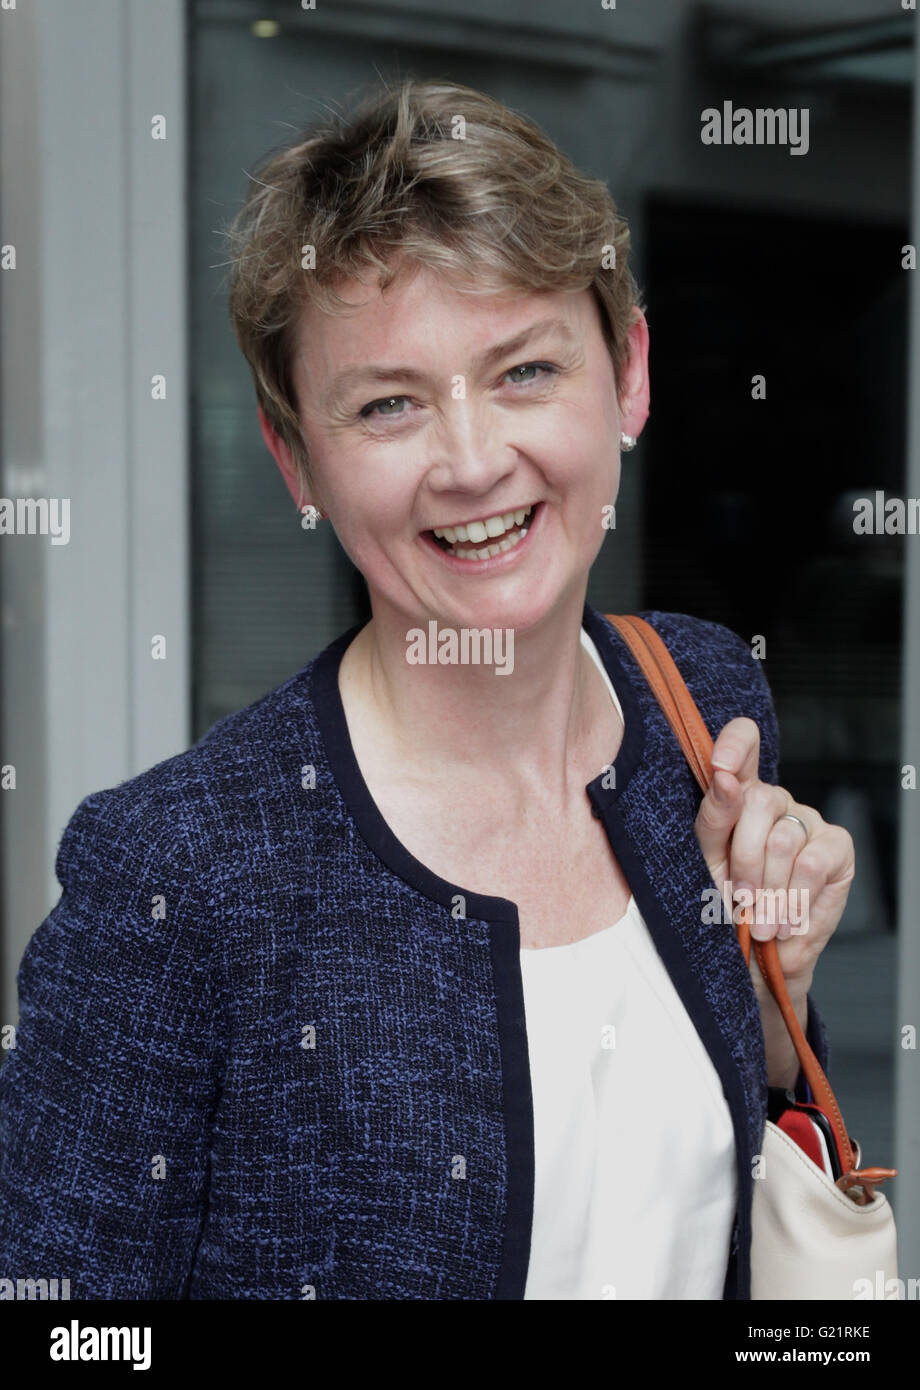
[421, 939]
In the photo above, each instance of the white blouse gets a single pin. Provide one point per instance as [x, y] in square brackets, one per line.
[635, 1184]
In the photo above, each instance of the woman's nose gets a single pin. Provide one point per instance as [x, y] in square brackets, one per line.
[470, 447]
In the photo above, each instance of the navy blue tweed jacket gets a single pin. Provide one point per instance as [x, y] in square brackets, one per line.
[254, 1040]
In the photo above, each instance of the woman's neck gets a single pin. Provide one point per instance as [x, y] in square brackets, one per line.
[528, 727]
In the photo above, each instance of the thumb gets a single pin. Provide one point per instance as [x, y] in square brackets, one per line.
[717, 817]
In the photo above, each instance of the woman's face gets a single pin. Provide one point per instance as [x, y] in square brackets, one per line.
[429, 408]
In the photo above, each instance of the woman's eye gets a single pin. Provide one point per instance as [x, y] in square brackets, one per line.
[390, 407]
[374, 406]
[515, 376]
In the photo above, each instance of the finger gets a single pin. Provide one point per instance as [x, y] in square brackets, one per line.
[784, 843]
[822, 874]
[763, 806]
[715, 820]
[737, 750]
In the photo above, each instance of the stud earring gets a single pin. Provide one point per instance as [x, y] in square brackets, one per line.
[627, 442]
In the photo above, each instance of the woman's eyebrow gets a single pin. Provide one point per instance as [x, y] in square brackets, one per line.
[371, 372]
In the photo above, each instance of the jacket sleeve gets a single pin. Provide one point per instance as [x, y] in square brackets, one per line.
[107, 1096]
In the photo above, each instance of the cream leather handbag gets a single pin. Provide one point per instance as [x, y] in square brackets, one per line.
[811, 1237]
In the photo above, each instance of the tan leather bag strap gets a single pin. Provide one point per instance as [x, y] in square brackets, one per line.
[669, 688]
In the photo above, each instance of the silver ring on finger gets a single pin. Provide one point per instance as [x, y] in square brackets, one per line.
[798, 820]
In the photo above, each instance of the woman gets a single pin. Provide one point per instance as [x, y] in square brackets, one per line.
[400, 983]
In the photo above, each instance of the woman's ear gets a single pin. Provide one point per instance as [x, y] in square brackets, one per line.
[282, 456]
[636, 389]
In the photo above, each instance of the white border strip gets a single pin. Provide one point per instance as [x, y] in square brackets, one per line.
[907, 1061]
[97, 209]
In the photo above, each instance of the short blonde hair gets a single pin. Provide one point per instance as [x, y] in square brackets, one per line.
[425, 172]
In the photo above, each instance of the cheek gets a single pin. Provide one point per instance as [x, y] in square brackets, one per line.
[373, 515]
[371, 486]
[582, 449]
[585, 431]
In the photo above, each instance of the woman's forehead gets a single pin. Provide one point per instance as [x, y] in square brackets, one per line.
[425, 301]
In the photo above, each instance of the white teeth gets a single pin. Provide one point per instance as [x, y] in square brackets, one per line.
[478, 531]
[485, 552]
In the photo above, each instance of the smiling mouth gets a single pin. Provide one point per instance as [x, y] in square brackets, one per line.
[480, 540]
